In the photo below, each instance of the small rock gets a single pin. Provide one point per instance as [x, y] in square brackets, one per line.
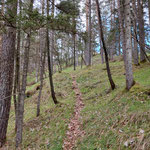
[126, 144]
[141, 131]
[131, 141]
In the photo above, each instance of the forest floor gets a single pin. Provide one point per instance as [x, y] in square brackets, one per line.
[74, 127]
[111, 120]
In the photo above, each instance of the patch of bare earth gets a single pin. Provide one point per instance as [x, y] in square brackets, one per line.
[74, 127]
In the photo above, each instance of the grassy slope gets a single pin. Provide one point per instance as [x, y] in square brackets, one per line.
[47, 131]
[114, 118]
[110, 118]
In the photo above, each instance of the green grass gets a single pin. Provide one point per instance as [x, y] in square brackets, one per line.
[110, 118]
[47, 131]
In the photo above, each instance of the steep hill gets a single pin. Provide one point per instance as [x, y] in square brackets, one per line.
[110, 119]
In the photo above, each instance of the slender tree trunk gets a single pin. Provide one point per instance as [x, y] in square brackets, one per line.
[37, 65]
[6, 70]
[49, 60]
[42, 64]
[20, 104]
[128, 61]
[104, 47]
[74, 50]
[121, 24]
[89, 37]
[112, 24]
[16, 89]
[101, 47]
[52, 36]
[119, 47]
[149, 10]
[135, 50]
[42, 61]
[87, 44]
[141, 30]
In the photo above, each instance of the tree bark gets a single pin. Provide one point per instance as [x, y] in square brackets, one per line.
[89, 37]
[6, 70]
[52, 36]
[21, 97]
[42, 61]
[104, 47]
[6, 80]
[49, 60]
[141, 30]
[149, 10]
[88, 30]
[74, 51]
[128, 61]
[121, 24]
[135, 50]
[42, 65]
[16, 89]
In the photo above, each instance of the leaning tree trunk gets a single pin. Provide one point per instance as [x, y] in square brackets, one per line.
[141, 31]
[6, 70]
[21, 97]
[128, 61]
[104, 46]
[6, 79]
[49, 59]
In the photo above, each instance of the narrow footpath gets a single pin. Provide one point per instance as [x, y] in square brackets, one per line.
[74, 127]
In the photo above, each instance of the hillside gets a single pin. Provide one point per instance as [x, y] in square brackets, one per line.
[110, 119]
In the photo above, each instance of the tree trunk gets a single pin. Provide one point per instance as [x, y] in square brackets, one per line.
[74, 51]
[21, 97]
[49, 60]
[149, 10]
[42, 64]
[141, 31]
[128, 61]
[6, 70]
[88, 30]
[121, 24]
[112, 26]
[16, 89]
[104, 47]
[42, 61]
[6, 79]
[89, 37]
[52, 36]
[37, 65]
[20, 104]
[135, 50]
[119, 47]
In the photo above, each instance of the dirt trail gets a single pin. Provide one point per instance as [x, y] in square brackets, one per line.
[74, 127]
